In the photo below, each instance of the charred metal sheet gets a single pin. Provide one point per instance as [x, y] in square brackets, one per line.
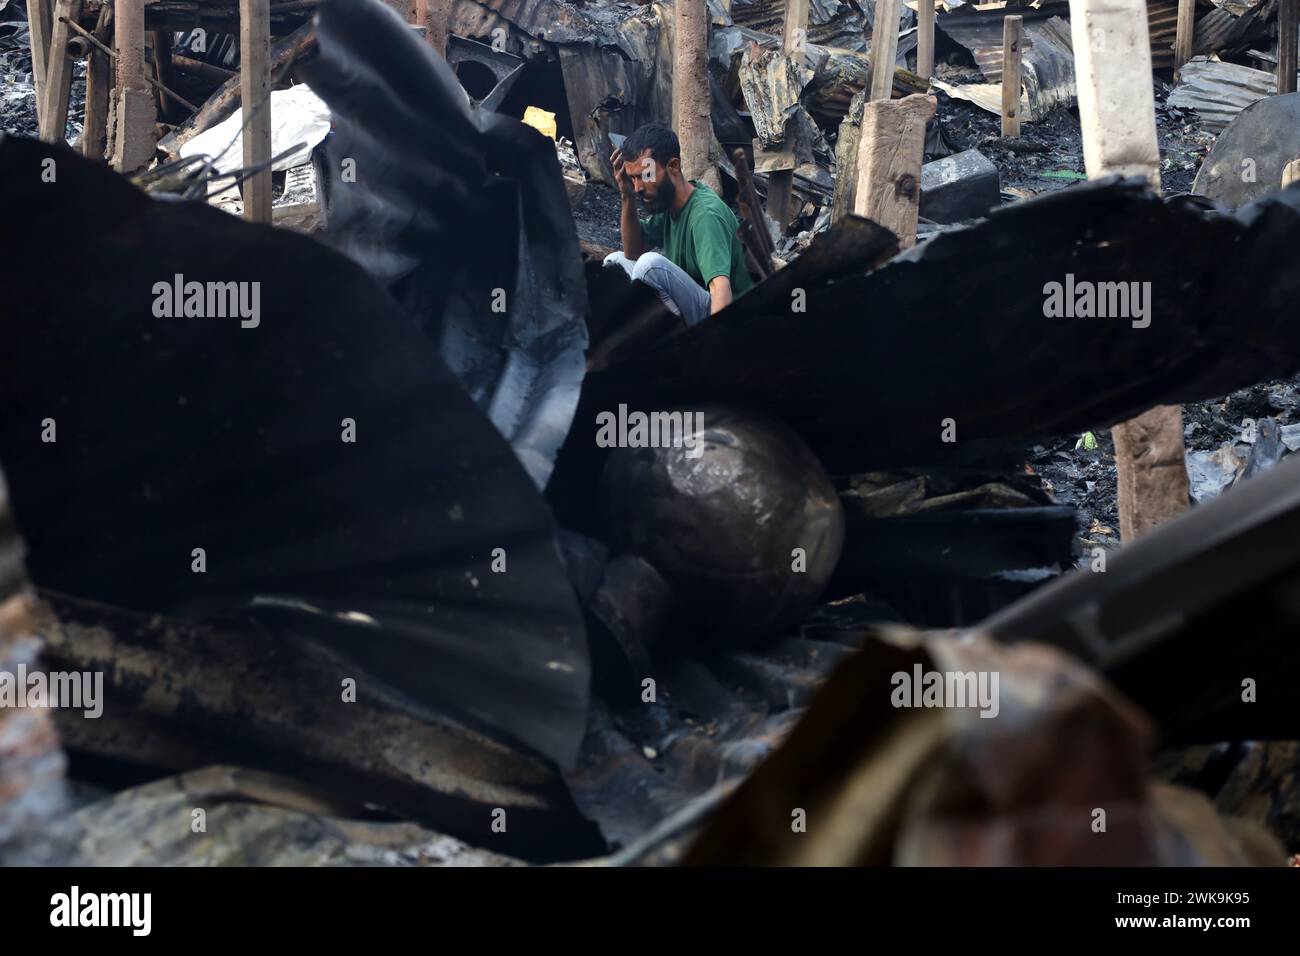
[1004, 371]
[1218, 92]
[382, 546]
[771, 84]
[555, 21]
[621, 81]
[180, 696]
[1262, 139]
[1047, 69]
[501, 64]
[463, 216]
[837, 23]
[1187, 613]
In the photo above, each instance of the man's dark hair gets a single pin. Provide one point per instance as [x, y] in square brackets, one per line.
[656, 137]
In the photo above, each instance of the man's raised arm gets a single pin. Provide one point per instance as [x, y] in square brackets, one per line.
[629, 225]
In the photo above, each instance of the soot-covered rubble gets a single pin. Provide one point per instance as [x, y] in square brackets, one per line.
[608, 648]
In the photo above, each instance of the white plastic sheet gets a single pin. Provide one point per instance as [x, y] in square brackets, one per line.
[298, 116]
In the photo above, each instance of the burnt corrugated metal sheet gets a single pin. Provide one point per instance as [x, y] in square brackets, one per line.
[980, 31]
[1162, 23]
[946, 326]
[1048, 60]
[1219, 91]
[835, 23]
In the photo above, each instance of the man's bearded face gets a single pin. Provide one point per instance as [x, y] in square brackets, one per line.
[652, 183]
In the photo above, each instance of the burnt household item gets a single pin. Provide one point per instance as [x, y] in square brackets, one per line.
[962, 186]
[739, 518]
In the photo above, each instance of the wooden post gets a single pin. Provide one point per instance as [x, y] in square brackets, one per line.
[53, 115]
[692, 106]
[1185, 32]
[133, 138]
[780, 182]
[163, 71]
[846, 158]
[39, 25]
[925, 38]
[99, 86]
[884, 50]
[435, 17]
[255, 100]
[1286, 45]
[1012, 33]
[889, 163]
[1112, 61]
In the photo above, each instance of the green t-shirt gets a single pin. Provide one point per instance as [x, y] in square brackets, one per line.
[702, 239]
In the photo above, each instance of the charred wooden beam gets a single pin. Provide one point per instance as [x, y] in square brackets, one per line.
[749, 195]
[209, 71]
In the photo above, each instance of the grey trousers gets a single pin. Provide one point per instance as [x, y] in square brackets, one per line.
[678, 291]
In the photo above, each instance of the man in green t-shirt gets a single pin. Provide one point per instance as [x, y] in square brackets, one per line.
[702, 268]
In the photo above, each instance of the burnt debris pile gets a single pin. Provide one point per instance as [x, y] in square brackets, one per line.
[349, 495]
